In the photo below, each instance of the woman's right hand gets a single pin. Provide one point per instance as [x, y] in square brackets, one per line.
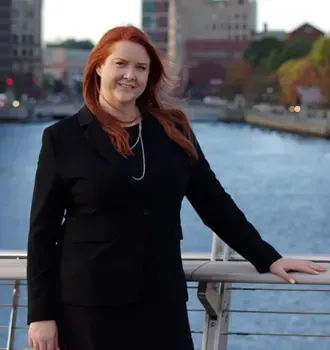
[43, 335]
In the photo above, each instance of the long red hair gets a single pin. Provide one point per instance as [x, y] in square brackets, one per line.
[174, 121]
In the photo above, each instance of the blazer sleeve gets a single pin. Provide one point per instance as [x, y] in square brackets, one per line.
[219, 212]
[47, 211]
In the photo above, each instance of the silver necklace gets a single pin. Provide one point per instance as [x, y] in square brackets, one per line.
[140, 138]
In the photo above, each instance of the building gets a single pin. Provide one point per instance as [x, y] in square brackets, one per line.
[207, 45]
[266, 33]
[64, 65]
[5, 42]
[219, 19]
[26, 39]
[306, 31]
[155, 17]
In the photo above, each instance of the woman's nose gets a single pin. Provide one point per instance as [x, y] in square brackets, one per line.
[129, 74]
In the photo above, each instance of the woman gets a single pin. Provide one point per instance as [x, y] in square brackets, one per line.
[104, 261]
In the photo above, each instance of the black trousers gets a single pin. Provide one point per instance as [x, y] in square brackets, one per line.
[150, 324]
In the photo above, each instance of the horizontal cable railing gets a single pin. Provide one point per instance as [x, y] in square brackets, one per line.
[211, 280]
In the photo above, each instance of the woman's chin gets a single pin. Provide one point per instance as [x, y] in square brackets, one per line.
[125, 98]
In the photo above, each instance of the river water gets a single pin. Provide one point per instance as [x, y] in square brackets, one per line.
[281, 182]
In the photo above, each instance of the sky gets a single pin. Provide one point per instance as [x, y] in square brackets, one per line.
[91, 19]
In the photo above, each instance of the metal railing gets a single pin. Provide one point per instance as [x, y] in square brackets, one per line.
[211, 274]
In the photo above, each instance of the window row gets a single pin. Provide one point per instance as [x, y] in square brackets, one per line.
[22, 12]
[26, 52]
[23, 39]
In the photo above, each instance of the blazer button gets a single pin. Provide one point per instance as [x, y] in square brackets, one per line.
[146, 212]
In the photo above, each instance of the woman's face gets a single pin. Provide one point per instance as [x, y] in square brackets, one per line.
[124, 74]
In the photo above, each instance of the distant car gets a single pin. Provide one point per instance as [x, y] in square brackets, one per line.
[214, 100]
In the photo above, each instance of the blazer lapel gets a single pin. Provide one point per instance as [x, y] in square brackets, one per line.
[100, 141]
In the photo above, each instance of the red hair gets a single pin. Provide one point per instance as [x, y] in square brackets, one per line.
[174, 121]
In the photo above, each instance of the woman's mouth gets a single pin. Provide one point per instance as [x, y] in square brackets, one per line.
[126, 86]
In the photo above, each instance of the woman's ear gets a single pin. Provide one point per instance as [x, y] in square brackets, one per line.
[98, 70]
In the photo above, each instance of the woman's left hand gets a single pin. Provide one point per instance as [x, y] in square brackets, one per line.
[281, 266]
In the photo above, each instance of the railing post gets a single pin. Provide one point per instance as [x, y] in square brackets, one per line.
[216, 300]
[13, 316]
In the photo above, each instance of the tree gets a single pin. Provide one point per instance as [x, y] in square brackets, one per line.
[294, 74]
[320, 53]
[73, 44]
[261, 49]
[325, 84]
[238, 73]
[291, 50]
[287, 73]
[237, 76]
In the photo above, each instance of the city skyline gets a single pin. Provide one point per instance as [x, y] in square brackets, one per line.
[92, 22]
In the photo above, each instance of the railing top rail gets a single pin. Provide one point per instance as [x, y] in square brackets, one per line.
[186, 256]
[199, 270]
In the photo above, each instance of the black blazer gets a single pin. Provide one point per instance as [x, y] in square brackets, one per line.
[91, 222]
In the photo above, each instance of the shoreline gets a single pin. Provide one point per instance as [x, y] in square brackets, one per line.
[307, 127]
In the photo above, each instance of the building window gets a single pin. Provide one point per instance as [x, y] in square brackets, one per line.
[15, 67]
[163, 22]
[28, 12]
[15, 12]
[15, 38]
[241, 2]
[148, 6]
[26, 26]
[26, 67]
[214, 26]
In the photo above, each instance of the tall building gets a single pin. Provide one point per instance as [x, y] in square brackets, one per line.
[219, 34]
[26, 37]
[5, 42]
[155, 21]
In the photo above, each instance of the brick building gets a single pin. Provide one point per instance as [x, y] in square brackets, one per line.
[306, 31]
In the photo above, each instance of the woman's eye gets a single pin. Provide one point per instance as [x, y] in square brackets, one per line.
[141, 68]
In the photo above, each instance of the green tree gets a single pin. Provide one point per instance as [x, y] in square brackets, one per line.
[320, 53]
[291, 50]
[74, 44]
[261, 49]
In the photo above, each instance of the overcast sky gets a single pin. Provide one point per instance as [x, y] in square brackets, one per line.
[91, 19]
